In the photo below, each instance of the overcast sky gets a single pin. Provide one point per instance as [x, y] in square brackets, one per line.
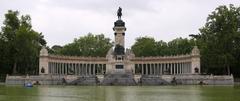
[61, 21]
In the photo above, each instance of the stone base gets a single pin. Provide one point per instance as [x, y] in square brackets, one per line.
[119, 79]
[152, 80]
[122, 79]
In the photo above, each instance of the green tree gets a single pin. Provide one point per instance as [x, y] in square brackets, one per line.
[21, 44]
[219, 40]
[89, 45]
[180, 46]
[144, 46]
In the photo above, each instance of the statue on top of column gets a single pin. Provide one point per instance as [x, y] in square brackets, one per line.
[119, 13]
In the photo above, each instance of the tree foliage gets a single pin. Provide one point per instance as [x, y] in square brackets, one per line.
[219, 40]
[147, 46]
[20, 44]
[89, 45]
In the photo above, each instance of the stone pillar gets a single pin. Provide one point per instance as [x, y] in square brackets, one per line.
[57, 68]
[184, 68]
[60, 68]
[49, 67]
[91, 69]
[174, 69]
[66, 66]
[53, 68]
[170, 66]
[80, 69]
[150, 69]
[177, 68]
[181, 67]
[195, 60]
[77, 68]
[94, 73]
[160, 68]
[155, 69]
[43, 61]
[146, 69]
[101, 69]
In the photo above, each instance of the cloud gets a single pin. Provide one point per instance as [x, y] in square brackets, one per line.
[61, 21]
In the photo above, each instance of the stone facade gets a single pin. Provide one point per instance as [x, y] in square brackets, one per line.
[120, 67]
[119, 60]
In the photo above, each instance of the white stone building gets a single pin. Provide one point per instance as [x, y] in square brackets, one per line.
[119, 60]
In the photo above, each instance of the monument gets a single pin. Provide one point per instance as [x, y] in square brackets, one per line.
[120, 67]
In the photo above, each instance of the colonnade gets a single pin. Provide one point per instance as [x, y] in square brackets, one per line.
[163, 68]
[76, 68]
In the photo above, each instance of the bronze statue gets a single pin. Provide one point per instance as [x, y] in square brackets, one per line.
[119, 13]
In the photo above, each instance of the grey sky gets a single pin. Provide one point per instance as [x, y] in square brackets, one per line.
[61, 21]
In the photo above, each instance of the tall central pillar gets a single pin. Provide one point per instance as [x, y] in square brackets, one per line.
[119, 32]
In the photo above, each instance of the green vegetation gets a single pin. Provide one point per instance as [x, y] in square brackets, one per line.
[90, 45]
[20, 45]
[218, 41]
[147, 46]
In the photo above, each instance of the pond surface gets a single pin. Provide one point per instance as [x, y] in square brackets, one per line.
[120, 93]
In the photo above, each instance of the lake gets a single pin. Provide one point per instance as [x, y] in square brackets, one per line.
[120, 93]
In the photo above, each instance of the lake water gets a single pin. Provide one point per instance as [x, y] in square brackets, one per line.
[120, 93]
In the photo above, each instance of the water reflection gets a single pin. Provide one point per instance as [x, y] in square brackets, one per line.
[120, 93]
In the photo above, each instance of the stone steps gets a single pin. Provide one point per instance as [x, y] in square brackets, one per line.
[118, 79]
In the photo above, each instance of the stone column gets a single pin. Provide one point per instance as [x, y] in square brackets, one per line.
[142, 69]
[184, 68]
[76, 68]
[54, 65]
[84, 69]
[94, 73]
[52, 68]
[102, 68]
[150, 69]
[146, 69]
[60, 69]
[155, 69]
[170, 66]
[160, 68]
[66, 66]
[81, 69]
[49, 67]
[56, 71]
[177, 68]
[181, 68]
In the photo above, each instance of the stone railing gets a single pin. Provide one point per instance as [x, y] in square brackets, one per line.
[61, 57]
[152, 58]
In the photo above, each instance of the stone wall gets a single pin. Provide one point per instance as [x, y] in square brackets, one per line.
[139, 79]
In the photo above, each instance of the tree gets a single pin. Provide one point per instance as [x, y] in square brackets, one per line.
[89, 45]
[219, 40]
[180, 46]
[144, 46]
[21, 44]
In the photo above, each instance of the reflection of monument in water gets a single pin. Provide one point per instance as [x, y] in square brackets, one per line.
[121, 67]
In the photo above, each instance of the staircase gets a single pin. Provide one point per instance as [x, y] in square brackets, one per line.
[84, 80]
[152, 80]
[119, 79]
